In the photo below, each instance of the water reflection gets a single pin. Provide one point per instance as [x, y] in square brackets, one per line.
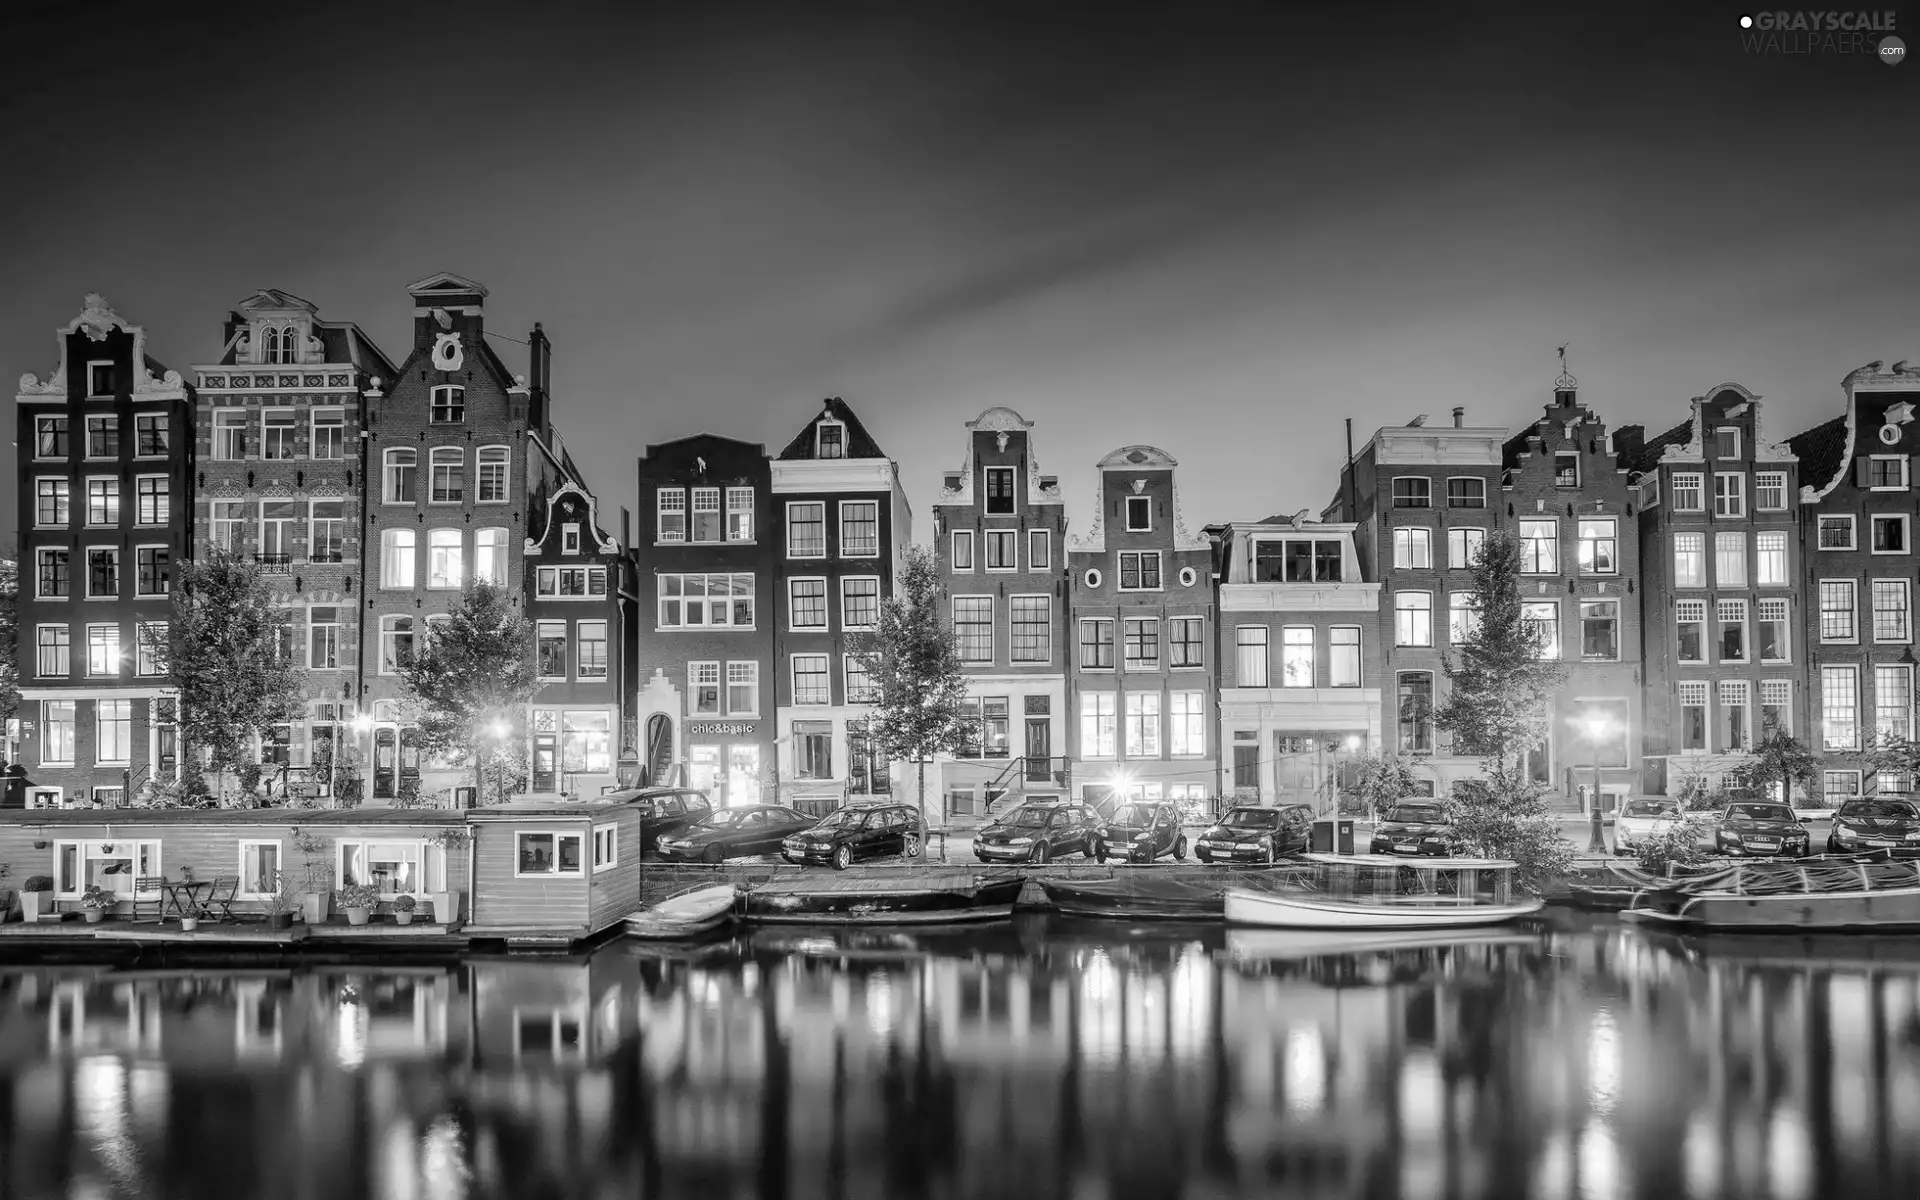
[1039, 1059]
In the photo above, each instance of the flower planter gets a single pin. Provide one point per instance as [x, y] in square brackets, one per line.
[403, 918]
[316, 907]
[96, 915]
[446, 907]
[280, 920]
[189, 924]
[358, 916]
[35, 904]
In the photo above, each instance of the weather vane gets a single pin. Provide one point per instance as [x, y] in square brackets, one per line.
[1565, 381]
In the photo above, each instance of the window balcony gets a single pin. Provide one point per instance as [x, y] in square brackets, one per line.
[275, 564]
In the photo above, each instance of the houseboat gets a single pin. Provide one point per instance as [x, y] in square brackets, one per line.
[1372, 892]
[535, 873]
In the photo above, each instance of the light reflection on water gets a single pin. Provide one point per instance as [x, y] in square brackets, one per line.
[1034, 1059]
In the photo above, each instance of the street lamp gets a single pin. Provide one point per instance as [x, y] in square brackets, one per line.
[1597, 725]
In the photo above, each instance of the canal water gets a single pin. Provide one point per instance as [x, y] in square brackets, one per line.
[1039, 1058]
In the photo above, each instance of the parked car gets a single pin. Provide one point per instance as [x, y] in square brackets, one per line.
[1141, 831]
[664, 810]
[1036, 833]
[1641, 821]
[1253, 833]
[733, 833]
[1416, 827]
[847, 835]
[1761, 828]
[1874, 824]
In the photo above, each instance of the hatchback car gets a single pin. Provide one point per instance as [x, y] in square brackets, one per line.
[1035, 833]
[1248, 832]
[1760, 828]
[733, 833]
[1874, 824]
[857, 831]
[664, 810]
[1413, 828]
[1641, 821]
[1141, 831]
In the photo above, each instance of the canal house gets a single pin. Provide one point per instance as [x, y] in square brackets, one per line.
[565, 870]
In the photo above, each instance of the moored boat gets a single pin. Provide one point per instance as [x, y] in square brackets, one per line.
[688, 914]
[1832, 895]
[898, 900]
[1375, 892]
[1137, 895]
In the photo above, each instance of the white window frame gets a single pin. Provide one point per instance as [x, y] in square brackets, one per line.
[831, 423]
[1046, 600]
[1043, 561]
[1412, 548]
[1906, 611]
[167, 583]
[1126, 514]
[708, 501]
[1760, 618]
[1906, 532]
[315, 425]
[963, 537]
[163, 505]
[1769, 481]
[1853, 607]
[73, 731]
[1821, 519]
[558, 835]
[227, 421]
[701, 673]
[662, 510]
[89, 849]
[1893, 458]
[1683, 482]
[826, 605]
[541, 630]
[145, 665]
[1721, 606]
[1735, 496]
[878, 539]
[1699, 580]
[1827, 742]
[606, 848]
[793, 679]
[791, 505]
[1013, 560]
[1737, 578]
[388, 465]
[1714, 441]
[388, 538]
[1398, 640]
[99, 755]
[113, 494]
[986, 491]
[480, 465]
[993, 628]
[878, 599]
[727, 684]
[240, 862]
[1475, 479]
[1528, 556]
[1120, 575]
[1760, 555]
[865, 691]
[729, 508]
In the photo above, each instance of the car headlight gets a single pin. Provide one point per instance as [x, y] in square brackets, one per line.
[1142, 837]
[1020, 841]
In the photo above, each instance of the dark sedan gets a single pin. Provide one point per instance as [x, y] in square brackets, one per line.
[664, 810]
[1255, 834]
[1413, 829]
[1875, 824]
[733, 833]
[1141, 832]
[1036, 833]
[1760, 829]
[855, 832]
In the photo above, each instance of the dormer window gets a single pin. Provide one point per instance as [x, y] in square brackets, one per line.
[279, 344]
[1726, 442]
[99, 379]
[832, 437]
[999, 491]
[449, 405]
[1566, 469]
[570, 539]
[1139, 514]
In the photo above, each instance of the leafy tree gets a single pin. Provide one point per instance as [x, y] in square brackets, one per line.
[914, 664]
[1684, 843]
[228, 647]
[1500, 688]
[471, 680]
[1378, 781]
[1779, 758]
[1500, 706]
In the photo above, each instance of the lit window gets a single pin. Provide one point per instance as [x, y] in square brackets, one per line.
[397, 558]
[444, 566]
[491, 470]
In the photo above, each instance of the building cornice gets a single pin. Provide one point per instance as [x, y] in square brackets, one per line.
[97, 320]
[1299, 597]
[833, 475]
[308, 377]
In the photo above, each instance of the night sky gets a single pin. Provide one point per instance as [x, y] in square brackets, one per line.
[1218, 228]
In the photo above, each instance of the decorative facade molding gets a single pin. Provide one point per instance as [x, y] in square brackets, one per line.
[1136, 458]
[1005, 422]
[602, 541]
[97, 319]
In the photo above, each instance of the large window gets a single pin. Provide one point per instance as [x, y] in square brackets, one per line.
[1003, 549]
[277, 427]
[1736, 716]
[999, 490]
[551, 649]
[1139, 514]
[1836, 531]
[1732, 616]
[1187, 723]
[670, 513]
[1039, 550]
[1836, 611]
[1690, 560]
[1343, 656]
[151, 438]
[1032, 629]
[1729, 495]
[1776, 706]
[115, 867]
[1689, 491]
[686, 601]
[739, 514]
[1298, 560]
[53, 658]
[1142, 648]
[709, 525]
[1543, 617]
[225, 520]
[449, 475]
[323, 637]
[1465, 491]
[490, 556]
[103, 572]
[807, 529]
[1887, 473]
[963, 550]
[150, 500]
[1143, 724]
[1889, 532]
[55, 573]
[1893, 700]
[1098, 726]
[1775, 638]
[1770, 491]
[229, 434]
[1183, 642]
[1463, 617]
[807, 603]
[1139, 570]
[861, 689]
[1412, 491]
[396, 644]
[449, 405]
[1415, 696]
[548, 854]
[397, 481]
[1690, 618]
[1839, 708]
[1413, 618]
[56, 732]
[811, 683]
[860, 602]
[492, 465]
[703, 687]
[397, 558]
[813, 749]
[743, 678]
[150, 571]
[329, 433]
[973, 628]
[1599, 545]
[1250, 656]
[1539, 547]
[1730, 560]
[112, 731]
[1600, 630]
[53, 504]
[1096, 643]
[1890, 622]
[103, 650]
[277, 519]
[1770, 558]
[859, 529]
[50, 438]
[259, 869]
[103, 501]
[1412, 549]
[1463, 546]
[1296, 656]
[326, 531]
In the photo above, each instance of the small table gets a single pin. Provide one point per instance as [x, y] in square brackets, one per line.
[190, 889]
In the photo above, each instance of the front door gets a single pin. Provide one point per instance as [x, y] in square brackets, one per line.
[386, 759]
[1039, 749]
[743, 774]
[703, 765]
[546, 762]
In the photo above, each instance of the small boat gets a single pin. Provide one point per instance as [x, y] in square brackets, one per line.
[1137, 895]
[899, 900]
[1629, 884]
[1275, 945]
[1829, 895]
[688, 914]
[1370, 891]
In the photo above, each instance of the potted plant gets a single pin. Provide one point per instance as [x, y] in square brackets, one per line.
[36, 898]
[98, 902]
[316, 898]
[359, 900]
[403, 910]
[189, 920]
[281, 900]
[446, 905]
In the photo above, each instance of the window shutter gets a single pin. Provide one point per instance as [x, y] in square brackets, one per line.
[1860, 471]
[1913, 468]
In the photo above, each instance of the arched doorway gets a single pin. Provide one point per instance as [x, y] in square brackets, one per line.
[659, 749]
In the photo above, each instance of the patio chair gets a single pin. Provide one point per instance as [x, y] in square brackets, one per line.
[148, 900]
[220, 897]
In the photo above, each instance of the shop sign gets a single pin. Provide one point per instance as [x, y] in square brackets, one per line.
[721, 728]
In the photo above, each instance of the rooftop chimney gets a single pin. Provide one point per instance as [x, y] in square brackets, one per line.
[540, 359]
[1459, 417]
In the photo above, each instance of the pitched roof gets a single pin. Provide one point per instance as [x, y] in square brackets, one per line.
[1650, 450]
[860, 443]
[1820, 451]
